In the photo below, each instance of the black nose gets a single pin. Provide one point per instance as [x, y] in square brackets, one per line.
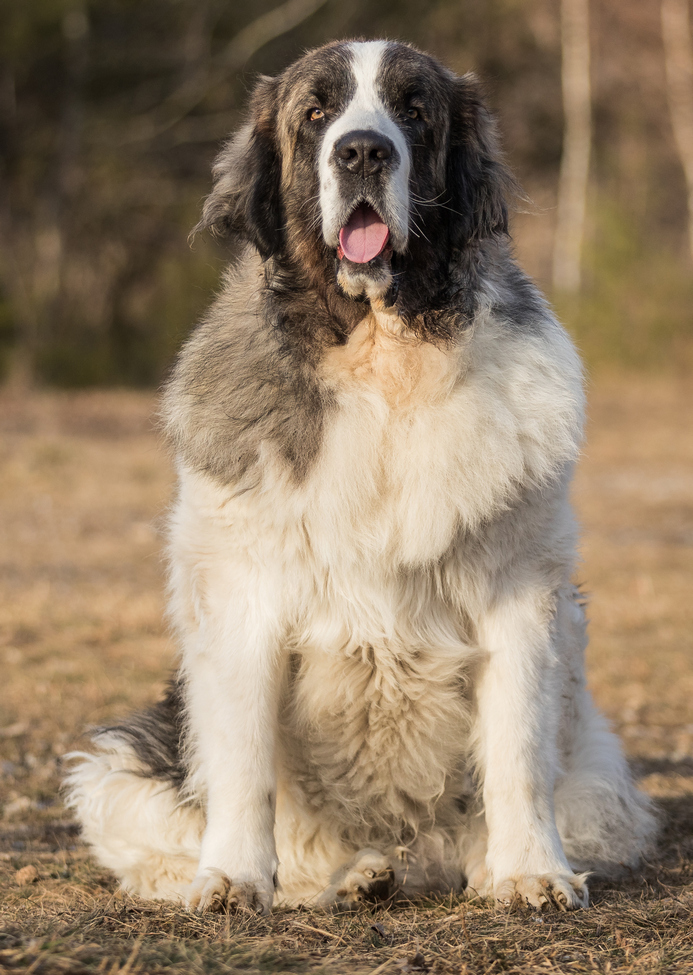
[363, 152]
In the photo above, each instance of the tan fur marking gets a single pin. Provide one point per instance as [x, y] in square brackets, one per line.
[384, 354]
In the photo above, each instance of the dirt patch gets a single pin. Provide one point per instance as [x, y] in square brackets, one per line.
[84, 485]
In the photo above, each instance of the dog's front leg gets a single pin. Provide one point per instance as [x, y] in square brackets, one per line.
[518, 710]
[232, 667]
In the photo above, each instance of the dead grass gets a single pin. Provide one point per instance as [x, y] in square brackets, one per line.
[83, 488]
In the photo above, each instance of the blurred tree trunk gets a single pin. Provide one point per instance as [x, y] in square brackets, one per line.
[34, 251]
[53, 244]
[678, 57]
[13, 275]
[572, 187]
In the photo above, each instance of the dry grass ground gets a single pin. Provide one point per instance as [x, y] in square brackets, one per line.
[83, 491]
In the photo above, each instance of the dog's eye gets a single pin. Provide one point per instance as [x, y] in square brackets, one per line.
[413, 112]
[316, 114]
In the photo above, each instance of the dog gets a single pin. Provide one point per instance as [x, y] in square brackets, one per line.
[381, 688]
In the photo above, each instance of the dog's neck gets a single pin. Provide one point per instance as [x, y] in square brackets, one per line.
[433, 301]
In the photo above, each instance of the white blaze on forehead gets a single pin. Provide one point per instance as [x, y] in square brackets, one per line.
[365, 111]
[366, 60]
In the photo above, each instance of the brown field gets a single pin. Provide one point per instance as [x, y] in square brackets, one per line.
[84, 486]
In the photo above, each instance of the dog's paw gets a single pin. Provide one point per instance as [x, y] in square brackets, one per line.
[563, 891]
[368, 879]
[212, 890]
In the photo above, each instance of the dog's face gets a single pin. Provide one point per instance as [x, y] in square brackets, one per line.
[369, 158]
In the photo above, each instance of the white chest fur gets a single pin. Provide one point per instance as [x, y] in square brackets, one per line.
[427, 440]
[404, 466]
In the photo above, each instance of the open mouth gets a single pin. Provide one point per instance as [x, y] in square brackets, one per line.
[364, 236]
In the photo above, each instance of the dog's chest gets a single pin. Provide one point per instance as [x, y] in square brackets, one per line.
[378, 731]
[385, 357]
[411, 453]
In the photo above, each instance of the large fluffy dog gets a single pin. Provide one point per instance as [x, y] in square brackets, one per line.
[381, 682]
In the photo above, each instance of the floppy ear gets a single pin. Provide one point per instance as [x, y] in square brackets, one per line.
[477, 180]
[246, 199]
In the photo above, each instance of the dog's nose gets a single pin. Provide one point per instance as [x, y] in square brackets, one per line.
[363, 152]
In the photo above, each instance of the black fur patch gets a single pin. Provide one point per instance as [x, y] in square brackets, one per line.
[156, 735]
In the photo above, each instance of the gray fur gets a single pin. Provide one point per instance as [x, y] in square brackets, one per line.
[237, 386]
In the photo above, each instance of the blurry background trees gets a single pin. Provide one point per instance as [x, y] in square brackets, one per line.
[111, 112]
[574, 174]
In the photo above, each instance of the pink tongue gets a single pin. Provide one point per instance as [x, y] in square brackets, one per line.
[364, 236]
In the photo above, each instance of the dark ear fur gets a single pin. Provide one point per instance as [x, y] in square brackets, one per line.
[477, 180]
[246, 198]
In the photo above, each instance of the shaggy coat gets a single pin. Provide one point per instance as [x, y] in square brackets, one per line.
[381, 683]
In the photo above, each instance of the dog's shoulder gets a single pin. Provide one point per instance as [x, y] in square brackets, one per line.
[237, 386]
[526, 377]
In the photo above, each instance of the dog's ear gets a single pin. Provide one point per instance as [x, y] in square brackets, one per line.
[246, 198]
[477, 180]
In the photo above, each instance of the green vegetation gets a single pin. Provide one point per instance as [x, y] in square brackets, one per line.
[636, 308]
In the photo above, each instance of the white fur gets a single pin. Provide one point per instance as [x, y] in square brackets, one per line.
[366, 110]
[138, 827]
[418, 582]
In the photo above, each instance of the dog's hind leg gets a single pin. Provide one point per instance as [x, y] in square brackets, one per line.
[127, 797]
[606, 824]
[136, 826]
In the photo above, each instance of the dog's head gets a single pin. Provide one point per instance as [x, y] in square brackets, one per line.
[368, 156]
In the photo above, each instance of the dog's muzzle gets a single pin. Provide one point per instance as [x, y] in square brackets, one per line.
[364, 198]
